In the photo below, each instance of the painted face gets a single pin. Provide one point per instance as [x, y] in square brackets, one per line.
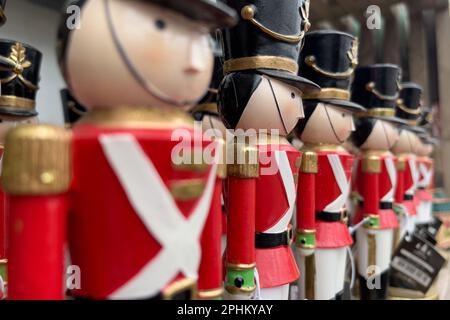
[328, 124]
[136, 53]
[405, 143]
[273, 105]
[383, 136]
[9, 122]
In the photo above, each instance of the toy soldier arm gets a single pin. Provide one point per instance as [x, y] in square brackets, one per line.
[36, 177]
[400, 189]
[371, 169]
[210, 273]
[240, 255]
[306, 197]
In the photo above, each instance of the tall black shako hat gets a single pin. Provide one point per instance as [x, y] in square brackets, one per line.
[213, 14]
[376, 87]
[409, 106]
[2, 12]
[208, 104]
[268, 39]
[19, 74]
[329, 58]
[72, 109]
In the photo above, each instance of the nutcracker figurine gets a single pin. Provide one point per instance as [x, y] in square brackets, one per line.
[19, 76]
[425, 166]
[260, 94]
[72, 110]
[376, 88]
[328, 58]
[2, 12]
[408, 109]
[140, 224]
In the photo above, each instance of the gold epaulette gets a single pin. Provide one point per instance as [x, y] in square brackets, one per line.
[37, 160]
[371, 163]
[245, 162]
[401, 164]
[309, 162]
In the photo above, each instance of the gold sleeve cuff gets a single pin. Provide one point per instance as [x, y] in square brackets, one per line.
[37, 160]
[309, 162]
[371, 164]
[245, 162]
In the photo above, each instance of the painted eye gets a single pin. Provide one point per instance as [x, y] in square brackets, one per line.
[292, 95]
[343, 115]
[160, 24]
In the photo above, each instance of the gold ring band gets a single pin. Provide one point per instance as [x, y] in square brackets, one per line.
[241, 266]
[261, 62]
[210, 294]
[17, 102]
[205, 107]
[329, 93]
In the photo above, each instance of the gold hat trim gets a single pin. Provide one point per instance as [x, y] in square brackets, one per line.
[329, 93]
[377, 112]
[261, 62]
[17, 102]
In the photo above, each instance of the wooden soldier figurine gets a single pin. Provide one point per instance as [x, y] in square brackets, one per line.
[2, 12]
[261, 98]
[408, 109]
[19, 75]
[425, 166]
[328, 58]
[376, 88]
[140, 224]
[72, 109]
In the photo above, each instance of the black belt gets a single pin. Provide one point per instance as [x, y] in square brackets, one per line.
[408, 197]
[272, 240]
[331, 216]
[384, 205]
[422, 188]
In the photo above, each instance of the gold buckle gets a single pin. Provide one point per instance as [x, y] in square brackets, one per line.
[290, 234]
[344, 215]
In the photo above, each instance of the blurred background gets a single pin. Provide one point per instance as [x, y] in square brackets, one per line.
[414, 34]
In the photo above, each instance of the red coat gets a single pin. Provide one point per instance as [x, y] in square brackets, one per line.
[138, 224]
[425, 167]
[408, 177]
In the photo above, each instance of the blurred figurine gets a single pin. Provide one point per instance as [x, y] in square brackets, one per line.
[261, 99]
[140, 224]
[407, 109]
[329, 58]
[19, 76]
[2, 12]
[425, 166]
[72, 110]
[376, 88]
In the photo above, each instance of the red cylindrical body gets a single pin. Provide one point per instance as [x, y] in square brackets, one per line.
[370, 193]
[306, 209]
[37, 236]
[400, 189]
[241, 221]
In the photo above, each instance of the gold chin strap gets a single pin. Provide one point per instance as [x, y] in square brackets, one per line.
[261, 62]
[401, 106]
[206, 107]
[376, 112]
[372, 254]
[329, 93]
[371, 87]
[248, 13]
[310, 273]
[17, 102]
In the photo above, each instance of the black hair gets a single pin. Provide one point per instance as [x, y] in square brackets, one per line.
[235, 91]
[309, 106]
[364, 127]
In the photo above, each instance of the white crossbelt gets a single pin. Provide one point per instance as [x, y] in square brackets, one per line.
[178, 236]
[342, 182]
[414, 175]
[392, 172]
[426, 174]
[284, 168]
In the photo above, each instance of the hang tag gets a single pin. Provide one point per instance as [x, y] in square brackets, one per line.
[416, 264]
[429, 231]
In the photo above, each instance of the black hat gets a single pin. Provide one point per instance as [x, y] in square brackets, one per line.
[329, 58]
[408, 106]
[2, 12]
[73, 111]
[208, 104]
[19, 74]
[268, 39]
[376, 87]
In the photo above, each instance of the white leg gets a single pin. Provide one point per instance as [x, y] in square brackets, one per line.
[301, 281]
[330, 272]
[425, 212]
[275, 293]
